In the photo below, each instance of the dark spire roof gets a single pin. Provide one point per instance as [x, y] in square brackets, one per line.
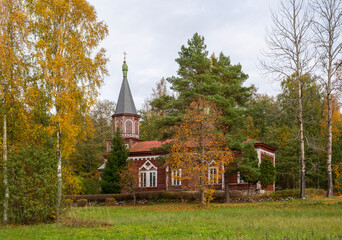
[125, 102]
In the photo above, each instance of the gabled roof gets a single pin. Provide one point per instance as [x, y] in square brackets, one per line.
[102, 167]
[125, 103]
[259, 144]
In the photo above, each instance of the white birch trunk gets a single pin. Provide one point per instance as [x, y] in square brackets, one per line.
[330, 192]
[5, 214]
[301, 139]
[59, 169]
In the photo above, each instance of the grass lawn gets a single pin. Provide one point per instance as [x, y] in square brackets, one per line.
[318, 218]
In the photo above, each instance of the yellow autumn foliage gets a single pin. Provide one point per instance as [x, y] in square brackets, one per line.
[200, 148]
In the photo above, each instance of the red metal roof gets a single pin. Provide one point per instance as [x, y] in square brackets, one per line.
[249, 140]
[145, 146]
[261, 144]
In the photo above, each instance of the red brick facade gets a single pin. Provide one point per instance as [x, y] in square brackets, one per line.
[142, 156]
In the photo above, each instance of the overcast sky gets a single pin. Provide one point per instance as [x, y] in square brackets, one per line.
[153, 31]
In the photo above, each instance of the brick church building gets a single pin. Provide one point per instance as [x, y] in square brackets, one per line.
[152, 175]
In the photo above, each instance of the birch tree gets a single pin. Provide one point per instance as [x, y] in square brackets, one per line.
[328, 28]
[289, 55]
[199, 149]
[13, 52]
[67, 37]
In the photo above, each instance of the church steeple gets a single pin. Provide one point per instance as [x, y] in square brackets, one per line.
[125, 102]
[126, 118]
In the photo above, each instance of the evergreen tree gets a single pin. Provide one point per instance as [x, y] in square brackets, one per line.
[267, 172]
[148, 128]
[116, 161]
[210, 78]
[248, 165]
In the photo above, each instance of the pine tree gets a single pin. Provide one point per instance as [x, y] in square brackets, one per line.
[116, 161]
[200, 76]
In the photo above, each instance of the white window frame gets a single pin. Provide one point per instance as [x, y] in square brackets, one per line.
[146, 179]
[240, 179]
[176, 181]
[148, 175]
[213, 171]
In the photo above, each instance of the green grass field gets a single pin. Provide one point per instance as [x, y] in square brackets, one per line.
[318, 218]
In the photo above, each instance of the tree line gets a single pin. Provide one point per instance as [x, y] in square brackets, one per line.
[303, 53]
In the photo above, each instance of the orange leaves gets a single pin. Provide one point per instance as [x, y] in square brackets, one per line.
[338, 180]
[129, 177]
[336, 119]
[200, 146]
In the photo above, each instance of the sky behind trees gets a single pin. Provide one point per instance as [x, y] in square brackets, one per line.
[152, 33]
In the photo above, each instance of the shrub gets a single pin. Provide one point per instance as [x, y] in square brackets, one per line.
[286, 193]
[68, 203]
[32, 185]
[90, 185]
[208, 196]
[110, 201]
[82, 202]
[71, 184]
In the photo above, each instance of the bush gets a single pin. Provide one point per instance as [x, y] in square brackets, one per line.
[194, 196]
[208, 196]
[293, 193]
[90, 185]
[32, 185]
[82, 202]
[67, 203]
[110, 201]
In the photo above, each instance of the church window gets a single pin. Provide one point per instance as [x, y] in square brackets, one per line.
[148, 175]
[240, 178]
[136, 127]
[129, 126]
[176, 177]
[213, 175]
[148, 178]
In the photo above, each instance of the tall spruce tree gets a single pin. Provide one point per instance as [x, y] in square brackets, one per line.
[116, 161]
[200, 76]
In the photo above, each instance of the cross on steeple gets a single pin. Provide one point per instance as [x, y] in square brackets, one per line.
[125, 54]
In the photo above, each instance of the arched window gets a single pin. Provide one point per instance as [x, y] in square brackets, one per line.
[148, 175]
[119, 125]
[129, 126]
[136, 123]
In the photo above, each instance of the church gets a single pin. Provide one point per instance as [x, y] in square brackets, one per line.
[154, 176]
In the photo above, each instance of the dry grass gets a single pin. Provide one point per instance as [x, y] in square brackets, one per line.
[74, 222]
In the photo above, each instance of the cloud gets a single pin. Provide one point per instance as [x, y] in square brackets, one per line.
[152, 32]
